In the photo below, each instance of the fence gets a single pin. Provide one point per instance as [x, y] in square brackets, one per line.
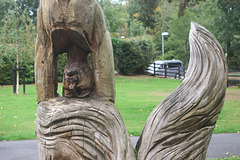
[175, 71]
[233, 80]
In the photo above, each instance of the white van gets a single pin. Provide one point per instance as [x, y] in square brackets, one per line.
[168, 68]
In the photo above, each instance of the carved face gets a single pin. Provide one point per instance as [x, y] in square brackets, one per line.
[78, 76]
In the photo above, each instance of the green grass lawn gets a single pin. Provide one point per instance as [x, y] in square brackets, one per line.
[136, 97]
[229, 158]
[234, 73]
[17, 113]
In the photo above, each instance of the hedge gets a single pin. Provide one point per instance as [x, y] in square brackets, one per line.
[131, 56]
[6, 73]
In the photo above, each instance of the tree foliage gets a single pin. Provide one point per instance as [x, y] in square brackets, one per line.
[5, 5]
[177, 45]
[136, 28]
[116, 17]
[221, 17]
[17, 37]
[229, 28]
[134, 19]
[23, 6]
[184, 4]
[29, 7]
[144, 11]
[132, 56]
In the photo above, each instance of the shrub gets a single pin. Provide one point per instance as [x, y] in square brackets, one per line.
[5, 75]
[6, 72]
[132, 56]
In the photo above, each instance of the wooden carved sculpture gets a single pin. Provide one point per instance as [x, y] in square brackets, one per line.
[181, 126]
[78, 28]
[84, 124]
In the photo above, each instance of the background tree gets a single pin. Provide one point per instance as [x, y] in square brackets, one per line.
[229, 29]
[184, 4]
[17, 37]
[144, 11]
[177, 45]
[5, 5]
[29, 7]
[116, 17]
[136, 28]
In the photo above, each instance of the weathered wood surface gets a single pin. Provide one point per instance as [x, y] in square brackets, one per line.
[92, 128]
[181, 126]
[78, 75]
[75, 129]
[79, 24]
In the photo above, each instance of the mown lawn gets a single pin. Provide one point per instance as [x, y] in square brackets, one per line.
[17, 113]
[229, 158]
[136, 97]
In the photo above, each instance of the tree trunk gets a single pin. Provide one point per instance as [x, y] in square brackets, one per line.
[17, 87]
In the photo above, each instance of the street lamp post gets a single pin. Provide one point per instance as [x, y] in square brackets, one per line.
[163, 34]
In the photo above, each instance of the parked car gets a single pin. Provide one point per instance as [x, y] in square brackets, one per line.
[168, 68]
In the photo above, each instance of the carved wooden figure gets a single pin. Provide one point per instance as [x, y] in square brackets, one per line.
[84, 124]
[78, 76]
[181, 126]
[78, 28]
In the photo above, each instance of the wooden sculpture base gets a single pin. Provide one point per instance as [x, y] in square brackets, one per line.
[73, 129]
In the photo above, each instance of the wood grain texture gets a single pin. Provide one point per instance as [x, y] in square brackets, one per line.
[91, 128]
[73, 129]
[181, 126]
[78, 75]
[62, 24]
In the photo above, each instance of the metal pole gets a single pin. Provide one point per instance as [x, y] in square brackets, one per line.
[165, 66]
[163, 47]
[179, 73]
[154, 68]
[14, 80]
[23, 80]
[163, 34]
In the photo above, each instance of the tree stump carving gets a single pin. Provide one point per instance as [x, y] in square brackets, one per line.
[85, 124]
[73, 129]
[77, 27]
[181, 126]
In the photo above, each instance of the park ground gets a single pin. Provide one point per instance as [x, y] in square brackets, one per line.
[136, 97]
